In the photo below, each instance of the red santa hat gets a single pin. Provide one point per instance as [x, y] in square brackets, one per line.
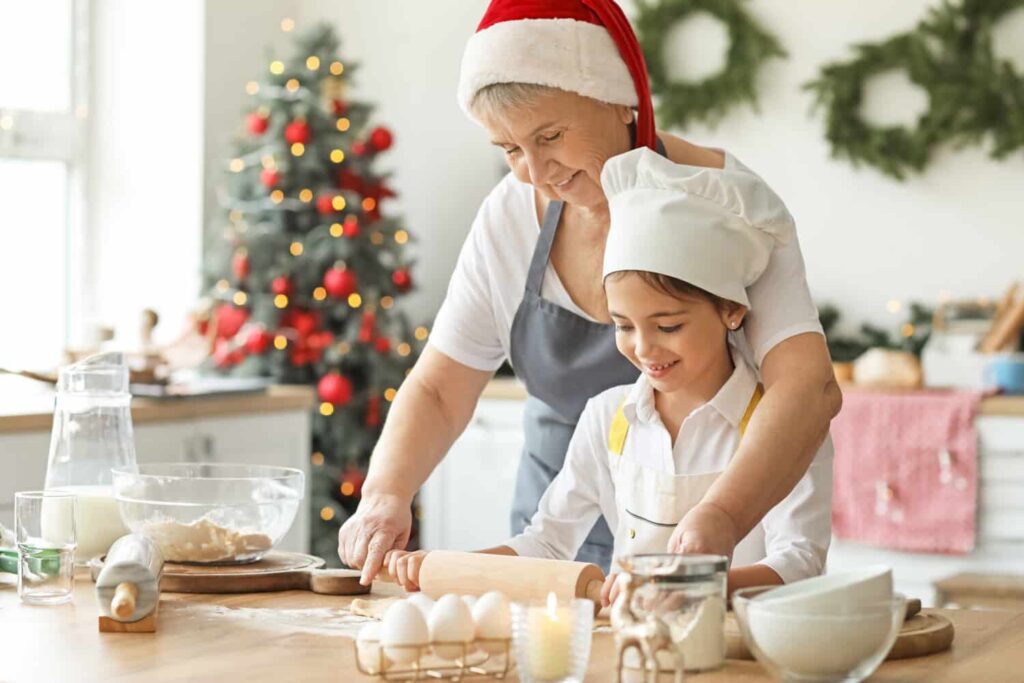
[582, 46]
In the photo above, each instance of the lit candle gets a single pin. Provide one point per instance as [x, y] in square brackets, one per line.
[550, 632]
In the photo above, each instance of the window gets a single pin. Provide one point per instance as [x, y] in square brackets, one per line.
[43, 110]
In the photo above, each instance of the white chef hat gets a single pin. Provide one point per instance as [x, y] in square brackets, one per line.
[712, 228]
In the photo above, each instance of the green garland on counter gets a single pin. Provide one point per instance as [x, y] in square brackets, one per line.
[708, 100]
[972, 94]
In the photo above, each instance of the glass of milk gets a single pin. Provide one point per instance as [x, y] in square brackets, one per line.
[92, 432]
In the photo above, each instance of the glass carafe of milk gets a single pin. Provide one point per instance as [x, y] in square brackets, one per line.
[92, 432]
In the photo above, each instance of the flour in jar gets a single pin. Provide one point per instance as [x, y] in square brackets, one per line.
[205, 541]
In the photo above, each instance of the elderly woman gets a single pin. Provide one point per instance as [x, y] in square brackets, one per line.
[560, 86]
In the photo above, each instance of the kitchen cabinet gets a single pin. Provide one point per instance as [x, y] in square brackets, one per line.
[465, 503]
[267, 429]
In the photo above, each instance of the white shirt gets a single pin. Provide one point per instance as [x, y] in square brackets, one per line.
[475, 321]
[792, 539]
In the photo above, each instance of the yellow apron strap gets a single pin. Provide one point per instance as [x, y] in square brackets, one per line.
[618, 430]
[754, 400]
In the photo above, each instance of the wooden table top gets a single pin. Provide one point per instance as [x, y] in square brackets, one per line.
[221, 638]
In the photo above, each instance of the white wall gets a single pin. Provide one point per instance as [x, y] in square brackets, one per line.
[145, 199]
[866, 238]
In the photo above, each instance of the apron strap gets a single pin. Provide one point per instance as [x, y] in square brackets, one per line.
[754, 400]
[542, 252]
[620, 425]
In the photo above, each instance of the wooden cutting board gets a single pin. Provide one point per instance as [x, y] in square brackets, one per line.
[922, 634]
[277, 571]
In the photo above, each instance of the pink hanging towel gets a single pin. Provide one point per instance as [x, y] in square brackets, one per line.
[906, 469]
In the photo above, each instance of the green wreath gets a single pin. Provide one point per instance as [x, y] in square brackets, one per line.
[839, 89]
[710, 99]
[972, 94]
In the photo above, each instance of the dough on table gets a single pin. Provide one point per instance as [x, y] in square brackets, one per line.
[374, 609]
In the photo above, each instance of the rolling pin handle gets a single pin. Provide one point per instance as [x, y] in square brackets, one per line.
[123, 603]
[593, 592]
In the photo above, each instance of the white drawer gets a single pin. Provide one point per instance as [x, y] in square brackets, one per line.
[998, 495]
[1000, 467]
[996, 433]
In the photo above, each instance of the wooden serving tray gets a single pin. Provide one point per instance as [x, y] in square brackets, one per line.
[922, 634]
[277, 571]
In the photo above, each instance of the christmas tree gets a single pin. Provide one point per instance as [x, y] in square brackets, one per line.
[304, 282]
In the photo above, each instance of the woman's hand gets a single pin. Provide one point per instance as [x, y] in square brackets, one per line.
[404, 567]
[705, 529]
[382, 522]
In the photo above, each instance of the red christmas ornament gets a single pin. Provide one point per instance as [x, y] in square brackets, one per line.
[373, 412]
[229, 320]
[381, 138]
[325, 203]
[297, 132]
[339, 107]
[367, 328]
[359, 148]
[350, 228]
[240, 265]
[335, 389]
[339, 283]
[317, 342]
[281, 285]
[304, 322]
[402, 279]
[257, 123]
[258, 341]
[349, 180]
[382, 345]
[270, 177]
[300, 355]
[224, 355]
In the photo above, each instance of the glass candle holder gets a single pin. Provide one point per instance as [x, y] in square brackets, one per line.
[551, 641]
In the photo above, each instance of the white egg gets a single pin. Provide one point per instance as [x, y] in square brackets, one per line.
[402, 629]
[493, 620]
[423, 602]
[368, 646]
[451, 622]
[470, 600]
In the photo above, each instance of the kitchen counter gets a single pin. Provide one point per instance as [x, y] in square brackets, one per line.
[207, 638]
[509, 388]
[24, 410]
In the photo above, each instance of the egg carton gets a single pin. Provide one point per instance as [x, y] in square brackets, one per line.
[479, 658]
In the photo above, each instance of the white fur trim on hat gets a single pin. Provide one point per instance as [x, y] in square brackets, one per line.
[560, 53]
[713, 228]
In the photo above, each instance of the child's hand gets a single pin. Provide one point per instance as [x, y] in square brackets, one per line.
[404, 566]
[610, 590]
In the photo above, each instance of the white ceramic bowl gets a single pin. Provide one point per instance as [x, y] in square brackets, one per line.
[818, 645]
[832, 592]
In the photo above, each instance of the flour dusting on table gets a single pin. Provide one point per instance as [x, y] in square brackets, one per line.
[317, 621]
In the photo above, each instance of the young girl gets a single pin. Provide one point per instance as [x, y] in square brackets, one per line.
[683, 245]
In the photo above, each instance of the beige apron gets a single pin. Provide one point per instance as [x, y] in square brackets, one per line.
[651, 503]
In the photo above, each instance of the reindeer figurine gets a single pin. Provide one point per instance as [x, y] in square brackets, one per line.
[649, 634]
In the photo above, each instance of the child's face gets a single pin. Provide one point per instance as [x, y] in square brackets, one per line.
[675, 341]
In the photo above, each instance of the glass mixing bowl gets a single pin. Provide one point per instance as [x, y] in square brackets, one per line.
[209, 513]
[818, 644]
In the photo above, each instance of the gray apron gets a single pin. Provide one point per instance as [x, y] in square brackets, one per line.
[564, 360]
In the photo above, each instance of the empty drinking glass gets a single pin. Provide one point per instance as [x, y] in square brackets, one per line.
[44, 524]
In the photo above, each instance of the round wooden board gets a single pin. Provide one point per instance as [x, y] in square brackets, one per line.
[276, 571]
[923, 634]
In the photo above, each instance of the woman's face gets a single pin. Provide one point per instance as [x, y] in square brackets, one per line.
[559, 143]
[676, 341]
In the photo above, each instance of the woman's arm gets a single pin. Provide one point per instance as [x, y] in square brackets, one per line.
[432, 408]
[791, 422]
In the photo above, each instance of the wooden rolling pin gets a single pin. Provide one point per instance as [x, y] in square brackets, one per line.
[128, 587]
[519, 578]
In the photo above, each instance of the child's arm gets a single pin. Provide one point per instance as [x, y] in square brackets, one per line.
[565, 515]
[752, 575]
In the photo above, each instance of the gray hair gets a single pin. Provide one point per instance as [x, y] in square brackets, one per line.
[500, 97]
